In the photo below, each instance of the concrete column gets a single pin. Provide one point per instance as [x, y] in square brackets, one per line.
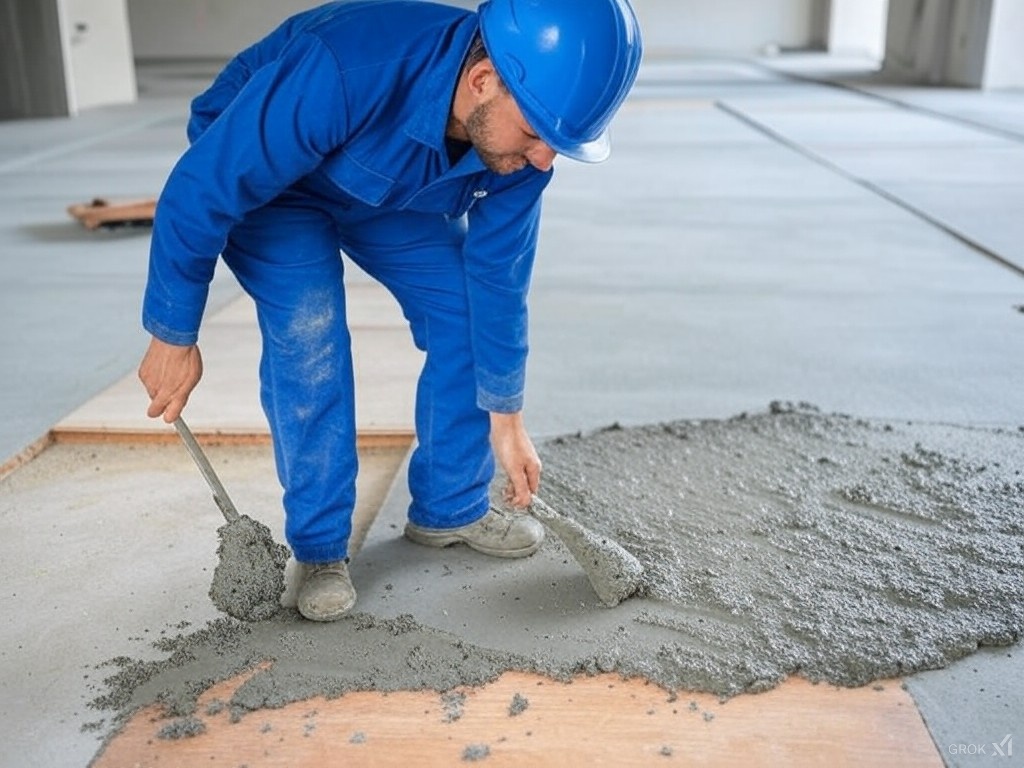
[967, 43]
[916, 38]
[32, 80]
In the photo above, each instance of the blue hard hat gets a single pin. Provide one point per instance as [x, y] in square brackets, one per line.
[567, 63]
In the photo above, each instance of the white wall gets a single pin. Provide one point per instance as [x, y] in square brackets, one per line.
[735, 27]
[217, 29]
[857, 27]
[204, 29]
[1004, 63]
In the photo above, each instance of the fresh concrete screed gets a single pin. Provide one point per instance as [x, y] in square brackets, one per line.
[779, 543]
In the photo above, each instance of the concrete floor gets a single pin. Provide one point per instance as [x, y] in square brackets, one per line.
[755, 237]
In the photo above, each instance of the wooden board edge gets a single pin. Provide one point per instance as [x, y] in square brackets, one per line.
[26, 455]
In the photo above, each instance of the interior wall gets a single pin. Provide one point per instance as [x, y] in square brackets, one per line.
[857, 27]
[32, 82]
[729, 27]
[217, 29]
[204, 29]
[1004, 63]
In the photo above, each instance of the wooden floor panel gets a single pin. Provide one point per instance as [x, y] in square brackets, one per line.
[593, 721]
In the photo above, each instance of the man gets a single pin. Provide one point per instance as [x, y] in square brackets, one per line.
[417, 138]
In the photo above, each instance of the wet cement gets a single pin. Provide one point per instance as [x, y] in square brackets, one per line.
[778, 543]
[249, 578]
[794, 541]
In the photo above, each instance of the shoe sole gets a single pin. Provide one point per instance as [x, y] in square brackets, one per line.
[332, 616]
[440, 541]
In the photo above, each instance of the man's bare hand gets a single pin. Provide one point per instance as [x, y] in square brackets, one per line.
[515, 453]
[169, 373]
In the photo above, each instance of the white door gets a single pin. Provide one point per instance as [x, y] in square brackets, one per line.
[100, 68]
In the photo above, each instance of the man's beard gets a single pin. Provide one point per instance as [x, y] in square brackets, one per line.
[478, 127]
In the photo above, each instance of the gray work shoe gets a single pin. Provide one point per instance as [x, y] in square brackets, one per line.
[498, 533]
[326, 592]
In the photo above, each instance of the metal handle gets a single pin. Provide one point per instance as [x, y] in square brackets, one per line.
[220, 496]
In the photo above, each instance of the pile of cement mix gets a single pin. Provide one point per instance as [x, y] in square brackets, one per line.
[794, 541]
[249, 578]
[785, 542]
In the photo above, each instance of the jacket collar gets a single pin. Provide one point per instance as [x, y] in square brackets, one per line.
[429, 122]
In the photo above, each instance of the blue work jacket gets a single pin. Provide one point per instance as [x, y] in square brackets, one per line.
[348, 104]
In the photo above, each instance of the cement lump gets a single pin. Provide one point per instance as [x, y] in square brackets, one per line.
[249, 578]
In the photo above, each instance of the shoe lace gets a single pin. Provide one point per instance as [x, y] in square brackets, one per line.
[501, 521]
[334, 568]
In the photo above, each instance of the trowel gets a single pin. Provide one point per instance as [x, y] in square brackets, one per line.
[249, 578]
[613, 572]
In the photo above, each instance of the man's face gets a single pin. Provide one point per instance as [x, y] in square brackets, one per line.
[504, 140]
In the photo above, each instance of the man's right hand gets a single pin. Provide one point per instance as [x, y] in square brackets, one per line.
[169, 373]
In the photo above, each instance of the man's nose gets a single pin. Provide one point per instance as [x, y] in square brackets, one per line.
[541, 157]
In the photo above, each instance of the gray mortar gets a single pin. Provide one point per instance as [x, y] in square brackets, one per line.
[182, 728]
[453, 703]
[249, 578]
[215, 707]
[785, 542]
[475, 752]
[518, 705]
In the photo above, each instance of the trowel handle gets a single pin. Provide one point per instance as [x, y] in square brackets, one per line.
[219, 494]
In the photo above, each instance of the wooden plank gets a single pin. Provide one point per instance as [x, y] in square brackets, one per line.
[26, 455]
[367, 438]
[593, 721]
[101, 212]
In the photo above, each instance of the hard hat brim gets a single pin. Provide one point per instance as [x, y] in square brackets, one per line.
[596, 151]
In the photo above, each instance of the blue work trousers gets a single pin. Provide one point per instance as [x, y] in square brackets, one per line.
[286, 257]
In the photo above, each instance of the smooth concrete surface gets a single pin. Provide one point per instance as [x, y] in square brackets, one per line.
[714, 264]
[69, 298]
[711, 266]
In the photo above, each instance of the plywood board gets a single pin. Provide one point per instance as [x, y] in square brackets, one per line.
[593, 721]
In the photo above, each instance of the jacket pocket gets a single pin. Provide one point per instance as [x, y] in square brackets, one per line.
[357, 179]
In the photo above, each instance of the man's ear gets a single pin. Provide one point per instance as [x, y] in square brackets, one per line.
[482, 79]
